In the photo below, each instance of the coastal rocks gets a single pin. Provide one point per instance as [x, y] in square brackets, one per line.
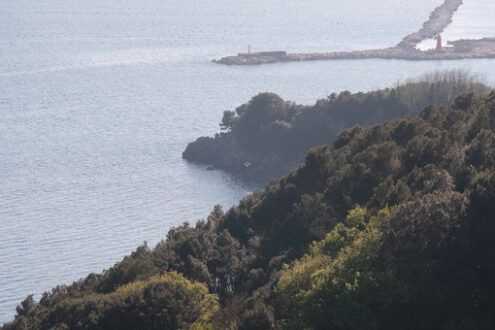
[224, 152]
[219, 152]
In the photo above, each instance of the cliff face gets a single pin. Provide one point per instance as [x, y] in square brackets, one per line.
[266, 137]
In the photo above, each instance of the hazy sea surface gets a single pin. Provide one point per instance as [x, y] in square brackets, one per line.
[98, 98]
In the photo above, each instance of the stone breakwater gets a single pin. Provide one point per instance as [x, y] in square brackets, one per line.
[439, 19]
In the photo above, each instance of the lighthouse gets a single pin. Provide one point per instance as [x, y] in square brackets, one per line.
[439, 42]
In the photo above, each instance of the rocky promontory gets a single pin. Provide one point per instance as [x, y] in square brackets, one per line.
[267, 136]
[226, 153]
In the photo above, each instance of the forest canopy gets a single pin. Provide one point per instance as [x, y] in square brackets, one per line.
[390, 227]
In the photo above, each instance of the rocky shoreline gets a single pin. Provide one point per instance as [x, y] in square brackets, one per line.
[439, 19]
[224, 152]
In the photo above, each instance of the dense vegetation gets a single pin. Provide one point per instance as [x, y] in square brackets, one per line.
[268, 136]
[392, 227]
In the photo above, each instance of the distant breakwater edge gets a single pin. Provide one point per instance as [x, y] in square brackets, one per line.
[439, 19]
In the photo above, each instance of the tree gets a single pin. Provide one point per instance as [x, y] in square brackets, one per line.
[228, 120]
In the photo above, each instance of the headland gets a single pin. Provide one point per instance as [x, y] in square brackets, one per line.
[439, 19]
[266, 137]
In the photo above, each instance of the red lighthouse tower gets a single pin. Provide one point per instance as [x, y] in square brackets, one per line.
[439, 42]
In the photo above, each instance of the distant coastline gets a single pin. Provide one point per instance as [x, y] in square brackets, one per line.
[439, 19]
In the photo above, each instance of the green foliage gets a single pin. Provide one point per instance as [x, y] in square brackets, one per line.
[356, 217]
[342, 284]
[162, 302]
[274, 134]
[391, 228]
[128, 270]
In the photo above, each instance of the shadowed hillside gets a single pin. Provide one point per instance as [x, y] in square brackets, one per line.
[391, 227]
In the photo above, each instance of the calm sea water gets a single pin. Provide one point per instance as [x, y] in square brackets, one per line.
[98, 98]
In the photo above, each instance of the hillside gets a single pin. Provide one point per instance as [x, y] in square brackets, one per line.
[268, 136]
[391, 227]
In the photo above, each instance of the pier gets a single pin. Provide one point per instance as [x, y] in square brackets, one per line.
[439, 19]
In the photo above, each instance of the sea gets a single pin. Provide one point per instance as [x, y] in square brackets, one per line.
[98, 99]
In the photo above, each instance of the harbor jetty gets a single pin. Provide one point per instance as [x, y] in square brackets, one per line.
[439, 19]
